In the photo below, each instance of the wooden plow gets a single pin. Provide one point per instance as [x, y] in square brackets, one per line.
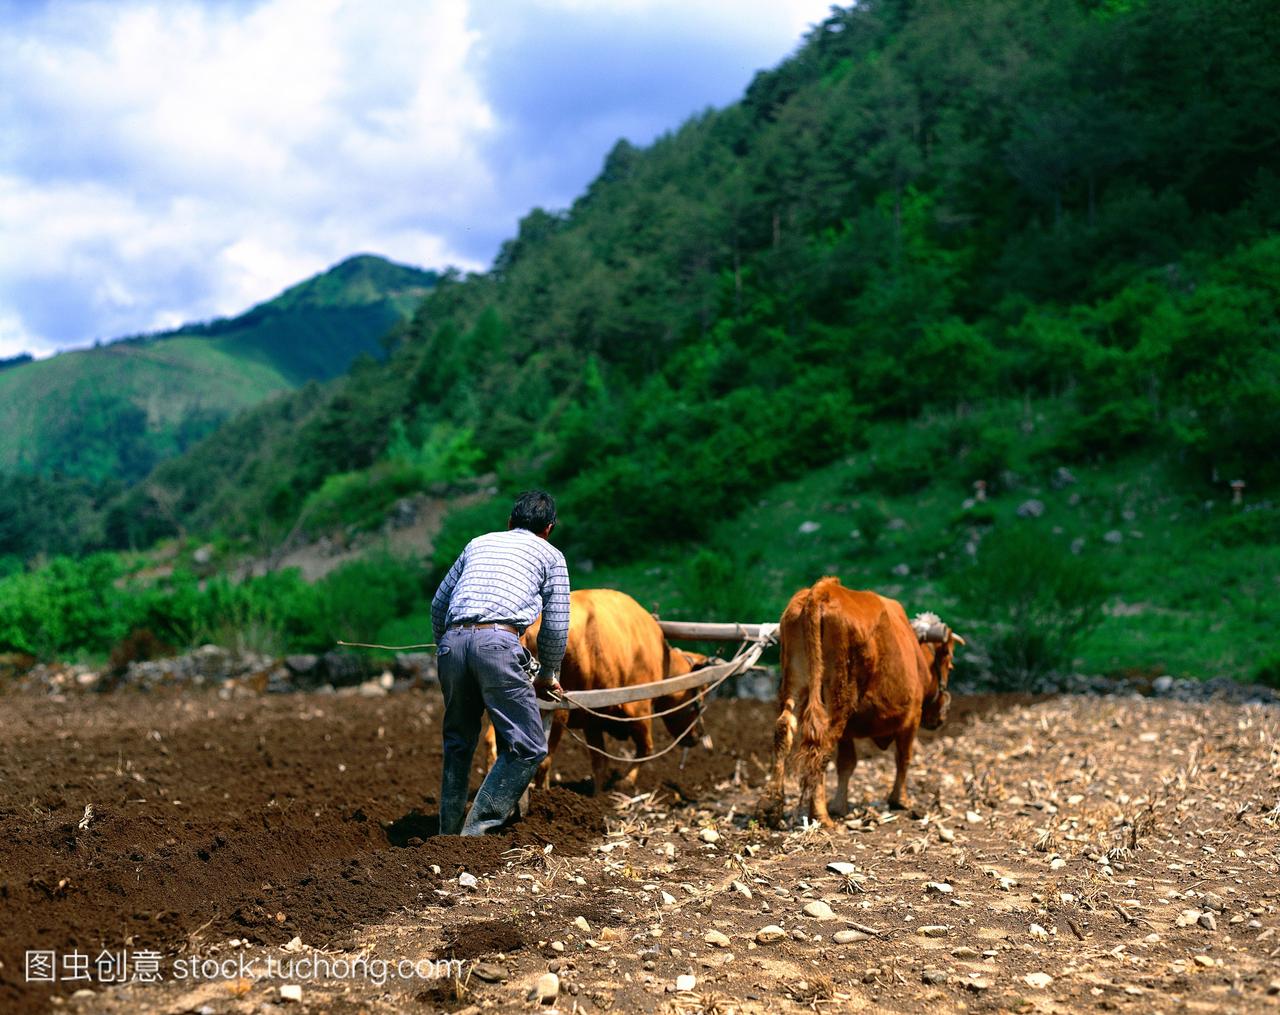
[752, 640]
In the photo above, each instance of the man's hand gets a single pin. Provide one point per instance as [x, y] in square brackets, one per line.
[547, 685]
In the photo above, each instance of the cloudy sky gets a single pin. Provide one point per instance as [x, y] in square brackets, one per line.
[164, 161]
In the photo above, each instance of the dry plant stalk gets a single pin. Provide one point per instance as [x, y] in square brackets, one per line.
[813, 990]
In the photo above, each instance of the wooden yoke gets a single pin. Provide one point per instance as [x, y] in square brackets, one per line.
[691, 631]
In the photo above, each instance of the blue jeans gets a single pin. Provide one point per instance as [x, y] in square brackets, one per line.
[482, 670]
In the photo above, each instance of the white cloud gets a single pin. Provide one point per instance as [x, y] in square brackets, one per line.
[171, 160]
[791, 15]
[14, 339]
[257, 143]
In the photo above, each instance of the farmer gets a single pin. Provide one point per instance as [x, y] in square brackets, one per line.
[496, 589]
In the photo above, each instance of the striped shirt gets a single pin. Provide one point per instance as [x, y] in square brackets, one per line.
[508, 578]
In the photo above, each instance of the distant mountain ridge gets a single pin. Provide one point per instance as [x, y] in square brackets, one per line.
[115, 411]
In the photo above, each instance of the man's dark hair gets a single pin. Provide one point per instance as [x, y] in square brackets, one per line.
[534, 510]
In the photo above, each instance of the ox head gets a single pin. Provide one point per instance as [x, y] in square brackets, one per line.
[938, 642]
[685, 723]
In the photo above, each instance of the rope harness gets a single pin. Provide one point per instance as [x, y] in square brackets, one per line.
[748, 652]
[677, 742]
[564, 696]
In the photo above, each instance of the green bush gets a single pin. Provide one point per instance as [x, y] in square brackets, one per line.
[1268, 671]
[1110, 430]
[83, 607]
[982, 513]
[444, 454]
[1030, 601]
[362, 498]
[1260, 526]
[897, 475]
[358, 599]
[67, 606]
[463, 524]
[870, 520]
[987, 456]
[719, 585]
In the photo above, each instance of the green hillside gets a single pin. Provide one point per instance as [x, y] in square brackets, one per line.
[1179, 585]
[114, 411]
[943, 243]
[928, 206]
[15, 361]
[118, 409]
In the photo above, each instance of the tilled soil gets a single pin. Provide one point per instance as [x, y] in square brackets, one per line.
[131, 822]
[1065, 853]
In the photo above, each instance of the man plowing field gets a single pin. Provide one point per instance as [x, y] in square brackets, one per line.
[499, 585]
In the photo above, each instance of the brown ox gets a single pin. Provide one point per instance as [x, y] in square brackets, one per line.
[853, 666]
[615, 642]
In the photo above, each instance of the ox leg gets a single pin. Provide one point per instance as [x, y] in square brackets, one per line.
[846, 762]
[642, 738]
[599, 763]
[905, 740]
[814, 782]
[815, 748]
[772, 803]
[542, 778]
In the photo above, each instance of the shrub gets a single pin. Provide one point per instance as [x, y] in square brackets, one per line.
[463, 524]
[66, 606]
[871, 520]
[355, 601]
[1260, 526]
[252, 616]
[718, 585]
[987, 456]
[359, 498]
[362, 498]
[898, 475]
[980, 514]
[445, 454]
[1031, 601]
[1108, 431]
[1268, 672]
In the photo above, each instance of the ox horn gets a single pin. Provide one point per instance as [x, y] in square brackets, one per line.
[957, 639]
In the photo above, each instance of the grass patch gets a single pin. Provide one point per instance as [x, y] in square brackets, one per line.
[1176, 598]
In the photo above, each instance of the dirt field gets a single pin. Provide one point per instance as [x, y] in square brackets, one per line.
[1064, 854]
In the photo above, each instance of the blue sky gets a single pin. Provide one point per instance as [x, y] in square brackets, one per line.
[164, 161]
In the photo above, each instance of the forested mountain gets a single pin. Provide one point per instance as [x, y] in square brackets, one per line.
[930, 205]
[111, 413]
[15, 361]
[1031, 243]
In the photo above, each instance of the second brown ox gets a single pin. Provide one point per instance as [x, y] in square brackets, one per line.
[853, 666]
[615, 642]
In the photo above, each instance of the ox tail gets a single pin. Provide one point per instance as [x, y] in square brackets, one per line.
[815, 721]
